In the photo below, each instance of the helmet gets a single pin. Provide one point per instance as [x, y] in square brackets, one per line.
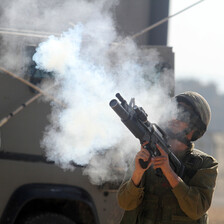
[200, 108]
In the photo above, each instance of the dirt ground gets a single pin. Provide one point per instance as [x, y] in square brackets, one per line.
[216, 215]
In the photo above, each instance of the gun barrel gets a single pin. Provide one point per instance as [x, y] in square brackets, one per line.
[120, 111]
[122, 100]
[135, 119]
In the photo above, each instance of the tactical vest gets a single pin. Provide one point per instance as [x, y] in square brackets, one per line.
[159, 205]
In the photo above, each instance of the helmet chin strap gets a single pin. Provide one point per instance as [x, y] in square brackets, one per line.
[180, 136]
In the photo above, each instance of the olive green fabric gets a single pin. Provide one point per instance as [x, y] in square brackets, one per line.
[156, 202]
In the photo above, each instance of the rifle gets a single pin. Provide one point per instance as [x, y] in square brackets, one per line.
[135, 119]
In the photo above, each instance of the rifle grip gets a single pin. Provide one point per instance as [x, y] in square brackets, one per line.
[143, 163]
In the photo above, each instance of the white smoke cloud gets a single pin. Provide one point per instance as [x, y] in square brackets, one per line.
[90, 66]
[50, 16]
[87, 131]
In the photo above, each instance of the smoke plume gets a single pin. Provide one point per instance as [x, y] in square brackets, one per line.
[87, 131]
[90, 65]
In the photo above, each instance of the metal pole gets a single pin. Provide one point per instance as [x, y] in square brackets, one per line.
[6, 119]
[21, 107]
[27, 33]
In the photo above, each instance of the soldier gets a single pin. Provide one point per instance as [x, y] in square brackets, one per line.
[149, 199]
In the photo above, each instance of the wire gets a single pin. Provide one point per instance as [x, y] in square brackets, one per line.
[27, 33]
[41, 34]
[32, 86]
[163, 21]
[20, 108]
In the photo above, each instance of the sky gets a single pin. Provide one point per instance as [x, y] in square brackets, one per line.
[197, 38]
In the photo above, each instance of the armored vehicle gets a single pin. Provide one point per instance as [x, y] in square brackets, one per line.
[32, 189]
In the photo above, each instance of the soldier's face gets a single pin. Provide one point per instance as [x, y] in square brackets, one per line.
[181, 119]
[177, 126]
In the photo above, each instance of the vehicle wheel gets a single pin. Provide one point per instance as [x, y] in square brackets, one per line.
[48, 218]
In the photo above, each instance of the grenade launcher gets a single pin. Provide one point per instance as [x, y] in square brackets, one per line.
[135, 119]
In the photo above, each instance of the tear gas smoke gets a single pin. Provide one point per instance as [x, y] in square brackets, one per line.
[48, 16]
[87, 130]
[89, 69]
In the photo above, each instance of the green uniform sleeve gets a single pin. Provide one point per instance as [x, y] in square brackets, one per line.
[195, 199]
[129, 196]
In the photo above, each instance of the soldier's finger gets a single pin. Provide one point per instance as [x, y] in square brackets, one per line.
[145, 143]
[160, 158]
[156, 166]
[161, 150]
[145, 151]
[142, 156]
[145, 157]
[158, 163]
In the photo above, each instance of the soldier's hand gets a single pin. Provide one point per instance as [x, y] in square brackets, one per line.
[145, 156]
[139, 171]
[161, 161]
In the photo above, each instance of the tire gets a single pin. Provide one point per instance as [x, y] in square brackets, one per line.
[48, 218]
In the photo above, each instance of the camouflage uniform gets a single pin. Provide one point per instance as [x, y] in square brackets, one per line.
[155, 202]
